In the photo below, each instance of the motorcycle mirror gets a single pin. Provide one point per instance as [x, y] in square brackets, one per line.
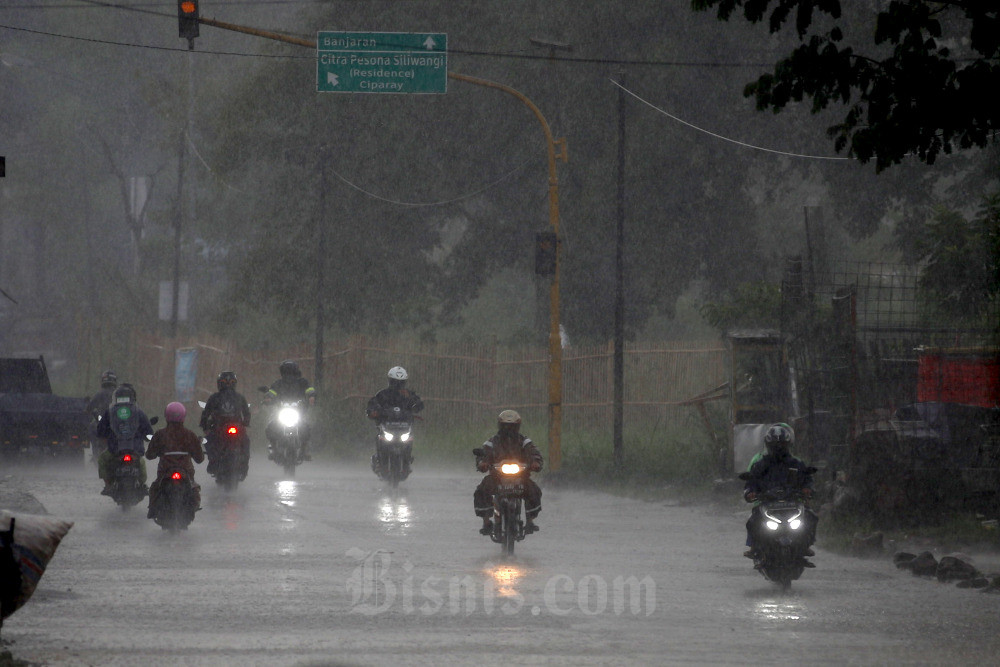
[477, 451]
[744, 476]
[149, 437]
[153, 420]
[201, 404]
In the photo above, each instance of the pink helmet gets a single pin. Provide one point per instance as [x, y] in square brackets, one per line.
[175, 412]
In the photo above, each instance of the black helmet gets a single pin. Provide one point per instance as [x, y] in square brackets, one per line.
[778, 438]
[109, 379]
[226, 380]
[289, 369]
[125, 393]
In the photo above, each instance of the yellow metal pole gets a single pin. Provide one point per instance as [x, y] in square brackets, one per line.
[555, 340]
[556, 150]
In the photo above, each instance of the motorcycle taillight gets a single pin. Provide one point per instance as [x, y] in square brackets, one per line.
[127, 458]
[232, 430]
[176, 475]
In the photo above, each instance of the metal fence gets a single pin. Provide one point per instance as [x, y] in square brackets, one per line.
[462, 385]
[859, 336]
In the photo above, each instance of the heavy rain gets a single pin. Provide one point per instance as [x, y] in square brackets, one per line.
[712, 294]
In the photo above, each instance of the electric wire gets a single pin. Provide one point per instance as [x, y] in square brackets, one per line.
[724, 138]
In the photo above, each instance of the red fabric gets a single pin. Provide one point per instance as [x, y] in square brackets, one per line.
[954, 379]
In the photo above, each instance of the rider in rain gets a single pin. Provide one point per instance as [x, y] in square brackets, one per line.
[508, 443]
[176, 446]
[226, 403]
[774, 469]
[122, 426]
[291, 386]
[96, 407]
[396, 395]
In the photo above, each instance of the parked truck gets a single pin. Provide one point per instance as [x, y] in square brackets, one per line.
[33, 420]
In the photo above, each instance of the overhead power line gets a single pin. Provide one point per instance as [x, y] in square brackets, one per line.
[724, 138]
[451, 51]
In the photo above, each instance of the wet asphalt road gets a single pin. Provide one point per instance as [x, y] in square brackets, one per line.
[333, 569]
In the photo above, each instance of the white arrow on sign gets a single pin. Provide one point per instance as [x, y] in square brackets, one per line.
[331, 79]
[429, 43]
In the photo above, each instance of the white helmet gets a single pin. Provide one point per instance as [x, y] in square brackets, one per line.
[397, 373]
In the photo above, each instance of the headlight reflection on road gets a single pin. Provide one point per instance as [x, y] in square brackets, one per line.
[779, 611]
[395, 513]
[288, 495]
[505, 579]
[288, 491]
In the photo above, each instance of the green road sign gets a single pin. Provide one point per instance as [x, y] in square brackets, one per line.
[381, 62]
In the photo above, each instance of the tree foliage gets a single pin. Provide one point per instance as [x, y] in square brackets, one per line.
[924, 83]
[960, 260]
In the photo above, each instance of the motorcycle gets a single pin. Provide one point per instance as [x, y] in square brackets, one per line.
[175, 504]
[392, 458]
[284, 433]
[127, 487]
[230, 454]
[508, 503]
[781, 532]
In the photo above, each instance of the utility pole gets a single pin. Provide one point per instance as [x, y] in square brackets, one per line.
[320, 268]
[619, 360]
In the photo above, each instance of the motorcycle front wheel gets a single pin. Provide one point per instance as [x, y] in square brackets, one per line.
[508, 528]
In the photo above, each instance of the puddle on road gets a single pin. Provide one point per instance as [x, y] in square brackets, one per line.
[395, 515]
[288, 492]
[779, 611]
[506, 578]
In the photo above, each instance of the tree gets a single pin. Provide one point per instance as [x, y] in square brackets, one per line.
[960, 261]
[922, 87]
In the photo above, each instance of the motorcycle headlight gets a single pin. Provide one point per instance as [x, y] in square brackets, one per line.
[772, 525]
[794, 524]
[510, 468]
[388, 436]
[403, 437]
[288, 417]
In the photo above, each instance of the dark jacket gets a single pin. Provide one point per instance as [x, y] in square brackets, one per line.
[100, 402]
[290, 389]
[125, 434]
[174, 437]
[777, 471]
[385, 400]
[222, 405]
[511, 446]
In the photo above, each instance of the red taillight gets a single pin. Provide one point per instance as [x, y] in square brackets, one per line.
[231, 430]
[176, 475]
[127, 458]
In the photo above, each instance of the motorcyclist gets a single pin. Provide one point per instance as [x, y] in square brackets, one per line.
[380, 406]
[123, 426]
[175, 446]
[225, 405]
[508, 444]
[778, 468]
[96, 407]
[291, 386]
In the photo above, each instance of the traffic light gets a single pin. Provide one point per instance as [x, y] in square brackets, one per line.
[545, 253]
[187, 20]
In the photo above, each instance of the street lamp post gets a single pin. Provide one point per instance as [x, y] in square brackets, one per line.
[556, 151]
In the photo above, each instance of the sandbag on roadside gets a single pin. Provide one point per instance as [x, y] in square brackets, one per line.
[27, 543]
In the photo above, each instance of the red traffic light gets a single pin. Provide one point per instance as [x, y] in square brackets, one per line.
[187, 20]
